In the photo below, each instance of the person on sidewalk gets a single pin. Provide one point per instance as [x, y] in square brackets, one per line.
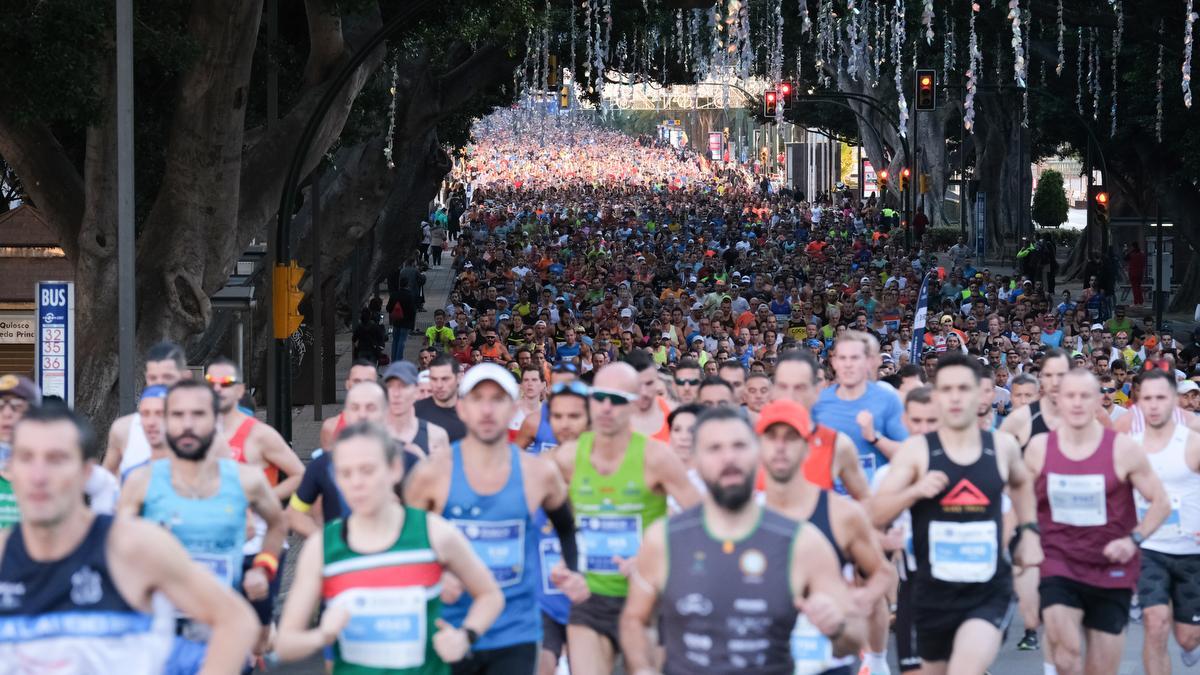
[402, 314]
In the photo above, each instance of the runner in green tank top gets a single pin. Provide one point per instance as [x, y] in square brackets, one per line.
[379, 575]
[619, 481]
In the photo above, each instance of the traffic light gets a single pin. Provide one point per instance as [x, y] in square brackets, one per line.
[785, 91]
[564, 98]
[1099, 204]
[770, 103]
[285, 289]
[905, 174]
[926, 89]
[882, 178]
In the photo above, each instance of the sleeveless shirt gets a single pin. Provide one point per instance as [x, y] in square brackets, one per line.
[1175, 536]
[137, 448]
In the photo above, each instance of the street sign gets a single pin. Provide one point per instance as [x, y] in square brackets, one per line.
[56, 339]
[715, 142]
[17, 328]
[980, 225]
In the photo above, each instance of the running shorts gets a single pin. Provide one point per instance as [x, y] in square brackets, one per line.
[1104, 609]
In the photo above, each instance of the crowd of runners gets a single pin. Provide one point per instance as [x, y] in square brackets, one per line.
[667, 421]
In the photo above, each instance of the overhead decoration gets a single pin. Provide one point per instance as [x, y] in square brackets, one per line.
[776, 60]
[391, 120]
[1097, 64]
[1079, 73]
[805, 20]
[898, 57]
[1018, 42]
[1062, 58]
[852, 33]
[1118, 34]
[973, 63]
[1187, 55]
[1027, 34]
[927, 20]
[1158, 103]
[588, 74]
[950, 50]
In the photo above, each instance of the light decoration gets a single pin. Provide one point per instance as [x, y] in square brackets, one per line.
[927, 20]
[1117, 36]
[898, 47]
[1062, 29]
[391, 120]
[973, 57]
[1186, 83]
[1158, 103]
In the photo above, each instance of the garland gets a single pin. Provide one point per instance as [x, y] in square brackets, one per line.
[391, 134]
[1117, 36]
[1018, 42]
[1062, 58]
[927, 20]
[1158, 104]
[1187, 55]
[973, 64]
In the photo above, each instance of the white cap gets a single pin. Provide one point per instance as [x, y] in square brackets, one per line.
[488, 372]
[1187, 386]
[626, 312]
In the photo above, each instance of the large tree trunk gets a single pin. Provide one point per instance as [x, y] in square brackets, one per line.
[1003, 170]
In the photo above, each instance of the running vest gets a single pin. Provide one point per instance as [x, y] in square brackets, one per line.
[812, 651]
[212, 529]
[237, 448]
[67, 616]
[957, 533]
[612, 512]
[137, 448]
[1037, 422]
[544, 440]
[742, 624]
[1176, 535]
[552, 601]
[1138, 425]
[1082, 506]
[394, 599]
[502, 533]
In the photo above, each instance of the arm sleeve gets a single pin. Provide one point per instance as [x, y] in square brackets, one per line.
[302, 500]
[564, 524]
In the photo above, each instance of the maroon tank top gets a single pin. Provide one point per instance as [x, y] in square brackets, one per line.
[1082, 506]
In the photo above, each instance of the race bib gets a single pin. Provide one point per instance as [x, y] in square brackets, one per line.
[550, 553]
[387, 627]
[962, 553]
[812, 652]
[868, 462]
[1077, 500]
[500, 544]
[1172, 527]
[604, 536]
[220, 565]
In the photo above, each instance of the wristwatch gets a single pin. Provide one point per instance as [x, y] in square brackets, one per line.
[472, 636]
[1032, 527]
[1137, 537]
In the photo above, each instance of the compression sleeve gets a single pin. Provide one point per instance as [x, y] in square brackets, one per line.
[564, 525]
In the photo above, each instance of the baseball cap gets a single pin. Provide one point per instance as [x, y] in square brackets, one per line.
[865, 280]
[539, 323]
[154, 391]
[787, 412]
[626, 312]
[403, 371]
[488, 372]
[1187, 386]
[946, 318]
[21, 387]
[1097, 326]
[696, 306]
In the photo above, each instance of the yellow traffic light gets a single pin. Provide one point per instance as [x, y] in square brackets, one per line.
[564, 97]
[882, 178]
[286, 297]
[904, 174]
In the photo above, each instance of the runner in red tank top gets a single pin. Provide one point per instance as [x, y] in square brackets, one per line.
[361, 371]
[1090, 535]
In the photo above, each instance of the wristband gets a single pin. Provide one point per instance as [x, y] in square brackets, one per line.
[268, 563]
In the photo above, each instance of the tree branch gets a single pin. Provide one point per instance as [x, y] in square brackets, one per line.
[327, 45]
[488, 66]
[52, 182]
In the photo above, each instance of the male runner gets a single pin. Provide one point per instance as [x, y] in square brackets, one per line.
[952, 481]
[757, 393]
[832, 456]
[151, 412]
[202, 499]
[441, 407]
[401, 381]
[533, 389]
[490, 490]
[650, 411]
[535, 434]
[687, 381]
[619, 481]
[732, 372]
[361, 371]
[378, 573]
[737, 573]
[127, 446]
[1167, 588]
[1090, 532]
[783, 427]
[79, 591]
[1024, 390]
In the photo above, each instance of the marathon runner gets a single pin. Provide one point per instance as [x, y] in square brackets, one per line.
[81, 592]
[1086, 474]
[533, 390]
[952, 481]
[650, 411]
[127, 447]
[440, 407]
[361, 371]
[202, 499]
[402, 382]
[783, 428]
[757, 393]
[490, 490]
[832, 456]
[378, 574]
[1167, 588]
[742, 623]
[536, 434]
[619, 482]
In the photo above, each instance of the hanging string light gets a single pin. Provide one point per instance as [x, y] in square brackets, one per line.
[898, 48]
[391, 120]
[1187, 55]
[1117, 36]
[1062, 59]
[1158, 103]
[927, 20]
[973, 56]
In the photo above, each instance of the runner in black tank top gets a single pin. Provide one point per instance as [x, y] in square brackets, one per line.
[1037, 422]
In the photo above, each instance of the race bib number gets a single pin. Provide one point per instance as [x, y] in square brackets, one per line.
[220, 565]
[500, 544]
[604, 536]
[387, 627]
[1172, 527]
[550, 553]
[963, 553]
[868, 462]
[1077, 500]
[812, 652]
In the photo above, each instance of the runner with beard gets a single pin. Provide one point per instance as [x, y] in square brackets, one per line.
[769, 569]
[202, 500]
[783, 428]
[83, 593]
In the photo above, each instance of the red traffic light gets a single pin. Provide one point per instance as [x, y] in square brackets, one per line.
[770, 97]
[926, 81]
[905, 172]
[785, 89]
[1101, 197]
[883, 174]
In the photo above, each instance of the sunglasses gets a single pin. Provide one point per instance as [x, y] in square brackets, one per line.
[613, 397]
[222, 382]
[1108, 390]
[17, 405]
[693, 382]
[573, 387]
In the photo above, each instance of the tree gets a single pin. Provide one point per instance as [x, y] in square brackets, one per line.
[1050, 200]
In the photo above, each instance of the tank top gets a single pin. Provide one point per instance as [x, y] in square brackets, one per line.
[137, 448]
[212, 529]
[552, 601]
[741, 624]
[612, 512]
[394, 599]
[664, 432]
[502, 533]
[1138, 426]
[544, 440]
[1037, 422]
[812, 651]
[1175, 535]
[1081, 507]
[237, 447]
[67, 615]
[957, 533]
[818, 466]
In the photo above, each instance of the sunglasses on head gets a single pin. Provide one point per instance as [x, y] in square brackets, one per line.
[573, 387]
[227, 381]
[613, 397]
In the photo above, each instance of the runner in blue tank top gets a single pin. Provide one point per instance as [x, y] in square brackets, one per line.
[82, 593]
[490, 490]
[202, 500]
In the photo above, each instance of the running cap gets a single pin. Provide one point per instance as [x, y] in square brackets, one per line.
[1187, 386]
[154, 391]
[488, 372]
[403, 371]
[785, 411]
